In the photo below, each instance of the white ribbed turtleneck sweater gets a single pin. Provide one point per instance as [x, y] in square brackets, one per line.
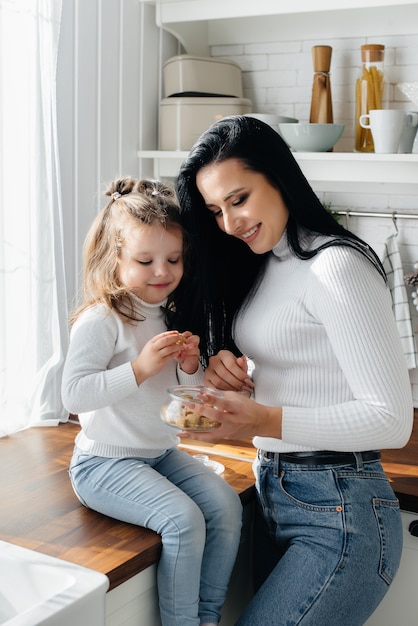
[118, 417]
[326, 348]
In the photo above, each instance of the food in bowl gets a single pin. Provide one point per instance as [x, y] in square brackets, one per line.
[177, 412]
[311, 137]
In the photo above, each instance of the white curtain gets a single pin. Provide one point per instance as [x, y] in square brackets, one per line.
[33, 308]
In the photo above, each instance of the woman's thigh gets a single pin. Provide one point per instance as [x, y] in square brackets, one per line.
[340, 534]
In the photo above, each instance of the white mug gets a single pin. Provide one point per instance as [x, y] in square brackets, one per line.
[409, 131]
[386, 126]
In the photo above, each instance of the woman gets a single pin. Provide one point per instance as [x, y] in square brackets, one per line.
[278, 280]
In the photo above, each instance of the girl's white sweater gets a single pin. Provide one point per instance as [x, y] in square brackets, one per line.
[118, 417]
[326, 348]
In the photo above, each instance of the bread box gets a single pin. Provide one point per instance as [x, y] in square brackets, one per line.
[183, 119]
[186, 74]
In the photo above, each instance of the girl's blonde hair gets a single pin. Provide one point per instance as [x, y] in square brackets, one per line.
[132, 203]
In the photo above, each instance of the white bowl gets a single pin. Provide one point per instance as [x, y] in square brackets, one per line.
[307, 137]
[283, 119]
[273, 120]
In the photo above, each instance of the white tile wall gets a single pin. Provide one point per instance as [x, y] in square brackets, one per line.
[277, 77]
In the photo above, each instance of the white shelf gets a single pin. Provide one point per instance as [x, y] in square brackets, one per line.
[327, 170]
[174, 11]
[200, 24]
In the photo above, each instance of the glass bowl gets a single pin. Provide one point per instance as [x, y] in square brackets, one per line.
[178, 414]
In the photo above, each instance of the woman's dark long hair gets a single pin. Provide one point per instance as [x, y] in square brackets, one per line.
[225, 270]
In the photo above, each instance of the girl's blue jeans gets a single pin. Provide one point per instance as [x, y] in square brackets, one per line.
[197, 514]
[328, 543]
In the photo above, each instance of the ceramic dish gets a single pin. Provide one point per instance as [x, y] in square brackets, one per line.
[178, 414]
[218, 468]
[307, 137]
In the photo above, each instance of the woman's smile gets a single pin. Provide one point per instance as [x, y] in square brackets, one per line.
[248, 236]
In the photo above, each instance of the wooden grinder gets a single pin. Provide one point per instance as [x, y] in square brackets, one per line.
[321, 104]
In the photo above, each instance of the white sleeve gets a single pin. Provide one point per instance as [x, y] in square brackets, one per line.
[87, 382]
[352, 302]
[191, 380]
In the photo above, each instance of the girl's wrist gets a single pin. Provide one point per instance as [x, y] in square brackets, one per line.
[180, 366]
[137, 373]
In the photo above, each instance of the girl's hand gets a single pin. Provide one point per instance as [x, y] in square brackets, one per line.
[156, 353]
[239, 416]
[189, 353]
[227, 372]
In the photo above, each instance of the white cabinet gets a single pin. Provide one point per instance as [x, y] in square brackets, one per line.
[400, 605]
[134, 602]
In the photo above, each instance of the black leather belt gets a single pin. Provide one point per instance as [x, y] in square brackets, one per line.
[323, 458]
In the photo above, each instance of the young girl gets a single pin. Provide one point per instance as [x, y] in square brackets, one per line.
[120, 362]
[283, 282]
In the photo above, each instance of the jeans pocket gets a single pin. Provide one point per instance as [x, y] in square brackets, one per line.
[389, 521]
[311, 490]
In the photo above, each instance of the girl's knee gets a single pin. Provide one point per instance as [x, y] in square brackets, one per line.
[231, 503]
[188, 518]
[228, 513]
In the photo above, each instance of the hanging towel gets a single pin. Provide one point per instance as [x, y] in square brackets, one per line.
[392, 263]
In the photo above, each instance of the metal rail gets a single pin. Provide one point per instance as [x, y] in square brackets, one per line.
[394, 215]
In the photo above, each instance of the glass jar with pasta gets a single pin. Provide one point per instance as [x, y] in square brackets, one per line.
[370, 92]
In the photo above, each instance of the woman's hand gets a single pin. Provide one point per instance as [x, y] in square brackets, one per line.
[189, 353]
[159, 350]
[227, 372]
[239, 416]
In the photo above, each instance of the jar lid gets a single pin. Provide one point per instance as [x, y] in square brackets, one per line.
[372, 52]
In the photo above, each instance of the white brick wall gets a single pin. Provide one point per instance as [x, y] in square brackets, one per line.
[277, 78]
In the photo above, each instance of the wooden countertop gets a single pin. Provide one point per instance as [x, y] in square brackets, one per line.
[39, 510]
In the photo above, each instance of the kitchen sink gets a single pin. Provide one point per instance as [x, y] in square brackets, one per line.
[38, 589]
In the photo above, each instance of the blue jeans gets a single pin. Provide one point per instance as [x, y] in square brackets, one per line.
[331, 544]
[197, 514]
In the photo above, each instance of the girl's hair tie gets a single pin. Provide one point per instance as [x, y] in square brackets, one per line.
[116, 195]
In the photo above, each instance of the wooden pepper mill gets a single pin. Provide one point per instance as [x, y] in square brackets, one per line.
[321, 104]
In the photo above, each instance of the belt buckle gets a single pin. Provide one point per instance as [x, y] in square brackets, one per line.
[267, 455]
